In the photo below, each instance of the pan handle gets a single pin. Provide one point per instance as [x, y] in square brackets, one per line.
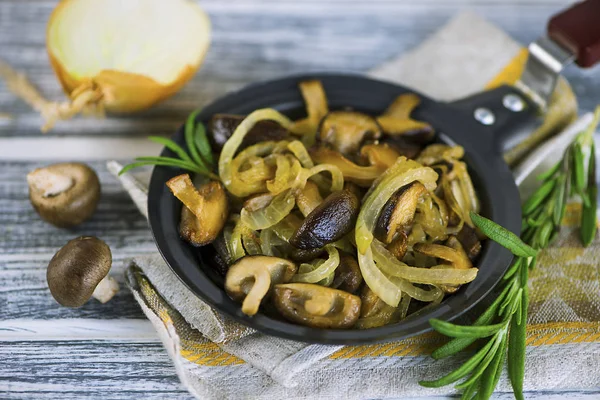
[506, 112]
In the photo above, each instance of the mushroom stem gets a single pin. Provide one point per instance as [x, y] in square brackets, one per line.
[106, 289]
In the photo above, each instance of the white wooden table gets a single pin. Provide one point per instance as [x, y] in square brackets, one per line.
[111, 351]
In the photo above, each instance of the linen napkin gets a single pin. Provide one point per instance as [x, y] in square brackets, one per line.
[218, 359]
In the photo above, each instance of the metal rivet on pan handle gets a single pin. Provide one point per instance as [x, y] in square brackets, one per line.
[484, 115]
[513, 102]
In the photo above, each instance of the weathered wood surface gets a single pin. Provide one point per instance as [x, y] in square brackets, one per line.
[111, 351]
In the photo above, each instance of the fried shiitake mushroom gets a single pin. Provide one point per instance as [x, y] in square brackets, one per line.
[399, 211]
[250, 278]
[308, 198]
[467, 237]
[344, 131]
[396, 120]
[222, 127]
[347, 275]
[329, 222]
[205, 210]
[64, 194]
[316, 306]
[379, 154]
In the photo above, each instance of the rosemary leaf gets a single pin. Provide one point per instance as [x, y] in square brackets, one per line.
[516, 342]
[189, 139]
[171, 145]
[502, 236]
[561, 199]
[461, 371]
[578, 168]
[491, 376]
[538, 197]
[202, 144]
[173, 162]
[462, 331]
[549, 173]
[477, 372]
[589, 223]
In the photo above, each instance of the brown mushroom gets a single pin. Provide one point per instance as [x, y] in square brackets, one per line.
[347, 275]
[79, 271]
[399, 211]
[316, 306]
[374, 312]
[250, 279]
[64, 194]
[346, 130]
[363, 176]
[308, 198]
[403, 146]
[379, 154]
[399, 245]
[222, 127]
[301, 255]
[396, 121]
[328, 222]
[467, 237]
[205, 210]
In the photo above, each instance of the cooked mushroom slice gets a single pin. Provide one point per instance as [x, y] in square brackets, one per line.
[316, 108]
[399, 211]
[329, 222]
[469, 241]
[222, 127]
[396, 120]
[208, 205]
[79, 271]
[250, 278]
[451, 252]
[403, 146]
[363, 176]
[399, 245]
[371, 304]
[64, 194]
[346, 130]
[347, 275]
[316, 306]
[300, 255]
[308, 198]
[379, 154]
[354, 188]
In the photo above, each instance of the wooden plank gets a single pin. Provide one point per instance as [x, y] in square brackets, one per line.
[77, 329]
[262, 40]
[94, 369]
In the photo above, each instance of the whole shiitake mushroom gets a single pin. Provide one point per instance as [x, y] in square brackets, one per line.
[64, 194]
[79, 271]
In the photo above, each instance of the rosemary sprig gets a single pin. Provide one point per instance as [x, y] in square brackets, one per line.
[500, 331]
[198, 158]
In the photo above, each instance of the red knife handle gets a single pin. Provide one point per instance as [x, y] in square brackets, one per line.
[578, 30]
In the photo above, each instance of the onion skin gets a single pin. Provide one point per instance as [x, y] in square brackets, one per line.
[122, 92]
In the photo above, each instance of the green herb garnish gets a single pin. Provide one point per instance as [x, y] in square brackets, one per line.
[500, 331]
[199, 157]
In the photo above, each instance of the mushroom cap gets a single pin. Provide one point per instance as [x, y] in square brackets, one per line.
[64, 194]
[77, 268]
[328, 222]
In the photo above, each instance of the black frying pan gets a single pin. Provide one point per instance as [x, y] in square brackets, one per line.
[483, 140]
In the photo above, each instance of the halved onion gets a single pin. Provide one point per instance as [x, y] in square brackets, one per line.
[124, 56]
